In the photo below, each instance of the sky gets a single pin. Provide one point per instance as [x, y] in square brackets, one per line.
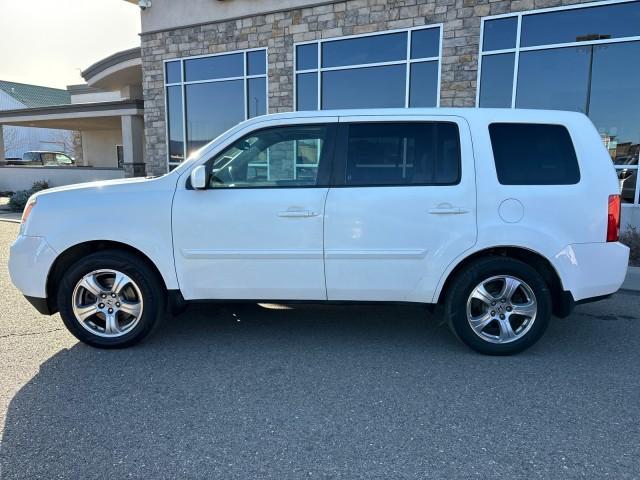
[48, 42]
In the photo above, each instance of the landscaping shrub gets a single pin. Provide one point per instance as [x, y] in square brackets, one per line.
[39, 185]
[19, 199]
[631, 238]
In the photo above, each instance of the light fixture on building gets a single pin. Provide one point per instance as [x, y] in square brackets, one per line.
[144, 4]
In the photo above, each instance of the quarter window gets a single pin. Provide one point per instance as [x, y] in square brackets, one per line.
[274, 157]
[533, 154]
[206, 96]
[412, 153]
[569, 59]
[390, 69]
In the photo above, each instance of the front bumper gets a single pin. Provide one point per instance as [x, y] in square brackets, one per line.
[30, 261]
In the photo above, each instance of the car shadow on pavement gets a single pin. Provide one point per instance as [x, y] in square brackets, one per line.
[249, 391]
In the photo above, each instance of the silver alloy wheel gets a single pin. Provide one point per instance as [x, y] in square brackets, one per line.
[501, 309]
[107, 303]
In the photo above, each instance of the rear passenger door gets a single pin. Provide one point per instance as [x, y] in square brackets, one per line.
[402, 208]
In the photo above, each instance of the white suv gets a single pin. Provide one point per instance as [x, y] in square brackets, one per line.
[500, 217]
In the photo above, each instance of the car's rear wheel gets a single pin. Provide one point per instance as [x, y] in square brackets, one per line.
[498, 306]
[110, 299]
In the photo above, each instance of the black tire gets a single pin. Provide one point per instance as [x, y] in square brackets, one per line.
[150, 286]
[461, 287]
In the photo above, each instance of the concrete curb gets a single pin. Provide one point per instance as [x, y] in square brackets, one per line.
[7, 215]
[632, 280]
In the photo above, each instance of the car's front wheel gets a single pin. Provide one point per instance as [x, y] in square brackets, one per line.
[498, 306]
[110, 299]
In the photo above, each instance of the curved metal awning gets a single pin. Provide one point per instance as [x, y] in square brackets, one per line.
[78, 116]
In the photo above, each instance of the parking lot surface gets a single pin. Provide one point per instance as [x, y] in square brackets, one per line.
[317, 391]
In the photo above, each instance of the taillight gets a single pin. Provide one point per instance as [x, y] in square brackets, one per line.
[613, 219]
[27, 210]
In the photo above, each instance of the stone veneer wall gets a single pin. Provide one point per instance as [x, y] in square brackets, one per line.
[279, 31]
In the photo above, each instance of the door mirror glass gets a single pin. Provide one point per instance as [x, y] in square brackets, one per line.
[199, 177]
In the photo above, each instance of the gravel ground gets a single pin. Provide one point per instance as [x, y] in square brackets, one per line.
[381, 392]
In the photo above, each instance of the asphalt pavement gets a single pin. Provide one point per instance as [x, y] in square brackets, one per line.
[320, 392]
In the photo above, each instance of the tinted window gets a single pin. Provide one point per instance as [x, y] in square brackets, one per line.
[533, 154]
[371, 49]
[209, 68]
[275, 157]
[496, 80]
[371, 87]
[615, 100]
[556, 79]
[173, 72]
[307, 91]
[174, 117]
[416, 153]
[594, 23]
[307, 57]
[256, 97]
[256, 62]
[425, 43]
[423, 91]
[499, 34]
[212, 108]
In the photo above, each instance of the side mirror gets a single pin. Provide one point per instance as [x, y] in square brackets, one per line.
[199, 177]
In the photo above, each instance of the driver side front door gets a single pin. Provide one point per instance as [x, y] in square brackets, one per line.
[256, 232]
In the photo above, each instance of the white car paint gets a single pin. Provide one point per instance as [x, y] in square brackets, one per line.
[374, 243]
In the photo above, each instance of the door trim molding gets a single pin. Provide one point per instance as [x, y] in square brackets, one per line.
[206, 254]
[396, 254]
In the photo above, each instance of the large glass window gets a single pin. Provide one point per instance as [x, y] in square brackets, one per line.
[411, 153]
[579, 58]
[274, 157]
[390, 69]
[206, 96]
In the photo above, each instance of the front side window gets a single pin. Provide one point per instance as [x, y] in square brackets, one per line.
[48, 158]
[205, 96]
[274, 157]
[569, 59]
[411, 153]
[533, 154]
[62, 159]
[384, 70]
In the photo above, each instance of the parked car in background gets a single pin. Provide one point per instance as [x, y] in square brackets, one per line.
[43, 158]
[501, 217]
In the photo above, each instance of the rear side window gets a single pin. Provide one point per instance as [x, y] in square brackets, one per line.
[533, 154]
[408, 153]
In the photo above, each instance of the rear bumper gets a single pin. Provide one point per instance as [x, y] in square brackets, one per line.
[592, 270]
[30, 260]
[40, 304]
[565, 304]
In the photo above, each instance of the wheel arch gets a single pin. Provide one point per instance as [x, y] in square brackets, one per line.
[69, 256]
[531, 257]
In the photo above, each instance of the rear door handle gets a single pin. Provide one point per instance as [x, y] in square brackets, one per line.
[298, 213]
[448, 211]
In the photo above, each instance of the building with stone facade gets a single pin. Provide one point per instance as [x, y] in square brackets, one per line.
[209, 64]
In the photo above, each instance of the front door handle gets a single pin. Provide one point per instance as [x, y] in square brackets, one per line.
[298, 213]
